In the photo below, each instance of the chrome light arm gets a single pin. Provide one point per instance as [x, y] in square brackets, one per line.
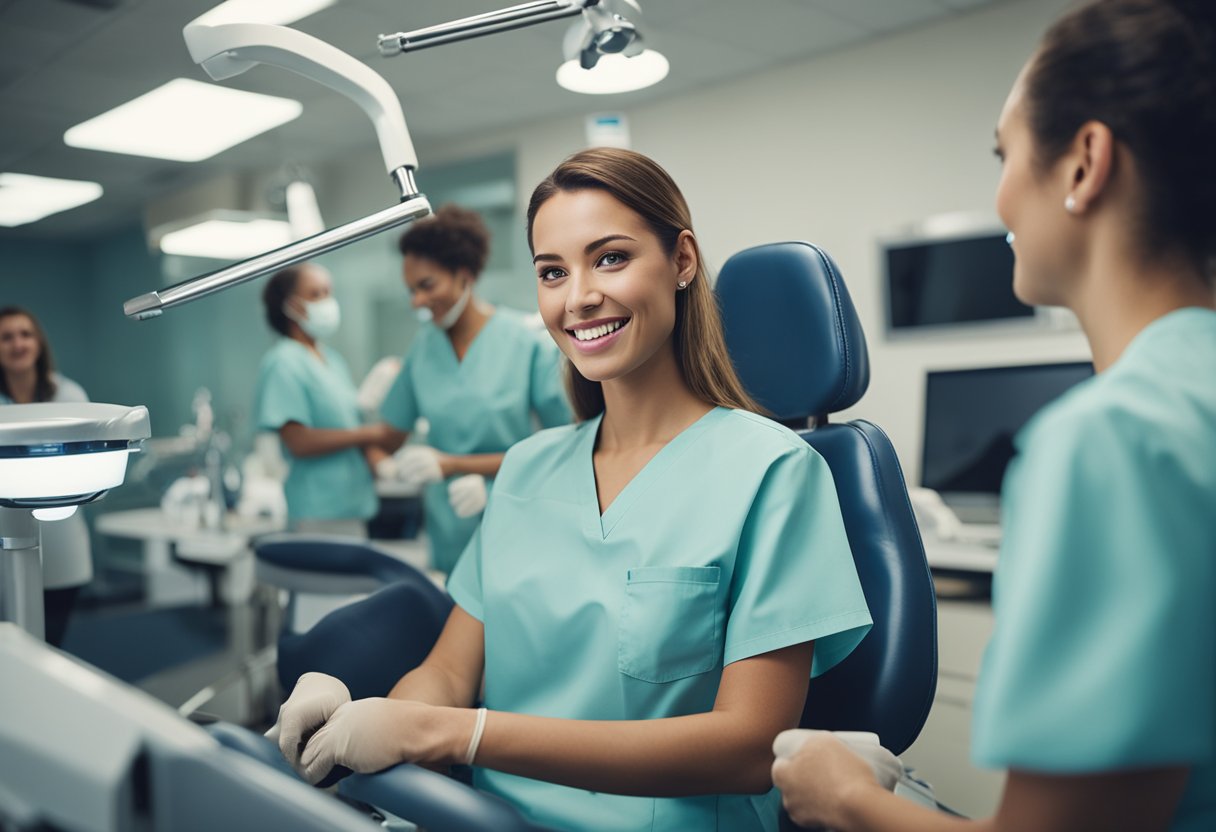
[503, 20]
[230, 49]
[153, 303]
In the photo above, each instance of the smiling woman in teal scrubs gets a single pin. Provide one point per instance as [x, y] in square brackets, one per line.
[306, 395]
[651, 589]
[481, 377]
[1098, 689]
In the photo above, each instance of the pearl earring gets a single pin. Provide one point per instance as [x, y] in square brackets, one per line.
[683, 284]
[1070, 204]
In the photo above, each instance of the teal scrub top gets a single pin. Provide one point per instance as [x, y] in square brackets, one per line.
[509, 380]
[728, 544]
[295, 386]
[1104, 652]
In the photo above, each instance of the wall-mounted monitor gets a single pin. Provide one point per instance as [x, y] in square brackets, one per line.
[949, 274]
[971, 417]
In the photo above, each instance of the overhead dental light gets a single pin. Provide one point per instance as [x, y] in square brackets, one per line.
[609, 27]
[53, 457]
[604, 51]
[614, 73]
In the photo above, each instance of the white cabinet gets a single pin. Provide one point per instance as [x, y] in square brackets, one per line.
[942, 754]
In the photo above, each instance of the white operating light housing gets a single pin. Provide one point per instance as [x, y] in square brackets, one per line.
[183, 121]
[614, 73]
[25, 198]
[279, 12]
[65, 454]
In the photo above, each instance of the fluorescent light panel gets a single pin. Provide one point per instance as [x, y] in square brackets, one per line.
[184, 121]
[614, 73]
[280, 12]
[221, 239]
[25, 198]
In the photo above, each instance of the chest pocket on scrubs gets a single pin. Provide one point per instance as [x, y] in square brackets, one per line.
[669, 625]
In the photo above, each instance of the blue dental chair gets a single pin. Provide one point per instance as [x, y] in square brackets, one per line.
[798, 346]
[369, 645]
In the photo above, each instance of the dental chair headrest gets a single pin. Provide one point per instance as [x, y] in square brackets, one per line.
[792, 331]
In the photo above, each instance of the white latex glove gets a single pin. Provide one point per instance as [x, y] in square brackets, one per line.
[417, 465]
[467, 495]
[886, 766]
[377, 383]
[388, 468]
[313, 701]
[373, 734]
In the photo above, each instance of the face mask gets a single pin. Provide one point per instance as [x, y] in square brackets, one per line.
[453, 315]
[424, 314]
[323, 317]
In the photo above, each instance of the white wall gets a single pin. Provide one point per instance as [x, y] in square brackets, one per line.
[839, 150]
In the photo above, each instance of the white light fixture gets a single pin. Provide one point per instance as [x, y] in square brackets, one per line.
[184, 121]
[279, 12]
[227, 237]
[25, 198]
[614, 73]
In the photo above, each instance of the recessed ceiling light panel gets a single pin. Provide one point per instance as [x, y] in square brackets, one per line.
[280, 12]
[25, 198]
[184, 121]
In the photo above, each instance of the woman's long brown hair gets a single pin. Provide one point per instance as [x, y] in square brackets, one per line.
[640, 184]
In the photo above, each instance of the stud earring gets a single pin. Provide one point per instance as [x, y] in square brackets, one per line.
[683, 284]
[1070, 204]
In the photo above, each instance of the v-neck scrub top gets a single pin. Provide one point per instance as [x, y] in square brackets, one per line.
[1104, 653]
[728, 544]
[296, 386]
[509, 379]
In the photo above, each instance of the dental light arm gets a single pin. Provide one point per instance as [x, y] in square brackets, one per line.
[503, 20]
[228, 50]
[608, 27]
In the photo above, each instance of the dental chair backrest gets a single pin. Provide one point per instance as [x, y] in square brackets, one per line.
[369, 645]
[798, 347]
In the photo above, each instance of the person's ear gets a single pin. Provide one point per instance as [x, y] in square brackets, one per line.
[686, 260]
[1089, 165]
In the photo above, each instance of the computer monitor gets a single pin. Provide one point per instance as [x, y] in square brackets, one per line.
[971, 417]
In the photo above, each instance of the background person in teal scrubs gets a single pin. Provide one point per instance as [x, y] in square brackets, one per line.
[306, 395]
[480, 376]
[651, 589]
[1098, 690]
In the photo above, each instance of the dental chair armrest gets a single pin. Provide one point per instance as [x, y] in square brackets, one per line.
[434, 802]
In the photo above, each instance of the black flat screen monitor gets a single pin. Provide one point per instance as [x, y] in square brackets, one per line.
[971, 417]
[934, 283]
